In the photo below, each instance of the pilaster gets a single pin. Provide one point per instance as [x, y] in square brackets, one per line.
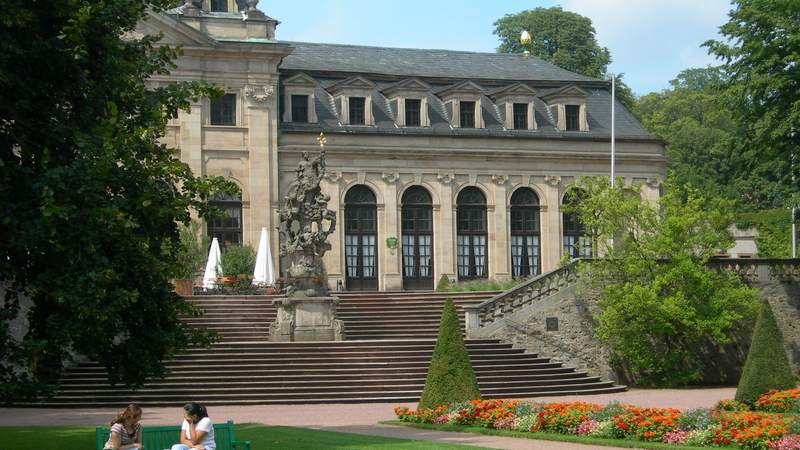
[389, 226]
[551, 223]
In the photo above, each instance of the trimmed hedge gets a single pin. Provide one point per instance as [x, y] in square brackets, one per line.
[767, 367]
[450, 376]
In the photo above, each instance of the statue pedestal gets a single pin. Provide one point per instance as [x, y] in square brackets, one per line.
[306, 319]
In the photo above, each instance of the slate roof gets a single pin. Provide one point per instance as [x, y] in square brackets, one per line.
[332, 63]
[414, 62]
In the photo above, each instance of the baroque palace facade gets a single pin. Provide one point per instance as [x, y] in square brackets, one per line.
[438, 162]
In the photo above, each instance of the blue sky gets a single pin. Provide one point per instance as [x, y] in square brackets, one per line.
[650, 40]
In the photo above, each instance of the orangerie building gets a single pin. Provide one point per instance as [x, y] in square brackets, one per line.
[438, 161]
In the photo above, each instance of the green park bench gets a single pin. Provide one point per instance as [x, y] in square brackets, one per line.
[164, 437]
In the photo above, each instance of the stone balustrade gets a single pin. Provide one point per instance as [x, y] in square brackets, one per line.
[750, 270]
[505, 303]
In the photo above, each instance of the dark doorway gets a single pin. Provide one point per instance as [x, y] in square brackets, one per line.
[360, 239]
[417, 239]
[525, 234]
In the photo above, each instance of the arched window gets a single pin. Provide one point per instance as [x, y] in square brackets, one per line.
[525, 233]
[228, 228]
[417, 239]
[576, 243]
[360, 239]
[471, 228]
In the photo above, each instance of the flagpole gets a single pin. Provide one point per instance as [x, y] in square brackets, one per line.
[613, 155]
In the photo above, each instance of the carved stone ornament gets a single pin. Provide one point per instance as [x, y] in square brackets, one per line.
[258, 94]
[552, 180]
[390, 178]
[653, 182]
[445, 178]
[500, 179]
[333, 177]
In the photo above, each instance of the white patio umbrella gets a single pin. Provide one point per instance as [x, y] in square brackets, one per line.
[264, 274]
[213, 268]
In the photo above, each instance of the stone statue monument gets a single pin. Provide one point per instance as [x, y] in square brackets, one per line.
[307, 312]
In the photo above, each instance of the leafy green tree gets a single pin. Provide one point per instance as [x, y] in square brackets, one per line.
[91, 200]
[659, 302]
[238, 260]
[707, 146]
[560, 37]
[450, 376]
[761, 52]
[767, 366]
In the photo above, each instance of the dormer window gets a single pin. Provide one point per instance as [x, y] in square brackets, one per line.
[299, 108]
[413, 109]
[463, 101]
[573, 117]
[520, 116]
[466, 114]
[299, 93]
[353, 99]
[408, 100]
[356, 110]
[567, 105]
[515, 102]
[219, 5]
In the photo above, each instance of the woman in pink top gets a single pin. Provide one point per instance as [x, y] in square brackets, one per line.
[126, 431]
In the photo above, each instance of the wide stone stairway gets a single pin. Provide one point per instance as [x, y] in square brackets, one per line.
[389, 341]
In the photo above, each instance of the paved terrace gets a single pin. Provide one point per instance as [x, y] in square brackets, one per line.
[364, 418]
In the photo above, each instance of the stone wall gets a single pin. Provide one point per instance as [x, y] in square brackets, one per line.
[572, 340]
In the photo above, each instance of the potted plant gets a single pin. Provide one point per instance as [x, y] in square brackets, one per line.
[191, 254]
[238, 262]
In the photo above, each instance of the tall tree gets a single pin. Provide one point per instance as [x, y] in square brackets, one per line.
[90, 198]
[560, 37]
[761, 52]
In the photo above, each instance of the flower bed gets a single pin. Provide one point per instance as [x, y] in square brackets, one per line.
[778, 401]
[700, 427]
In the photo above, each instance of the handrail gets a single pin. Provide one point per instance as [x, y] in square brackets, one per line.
[507, 302]
[546, 284]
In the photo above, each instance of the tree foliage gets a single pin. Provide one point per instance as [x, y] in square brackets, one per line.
[90, 198]
[450, 376]
[761, 53]
[659, 301]
[559, 37]
[707, 145]
[767, 367]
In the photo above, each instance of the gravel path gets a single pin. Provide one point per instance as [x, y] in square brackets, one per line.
[363, 418]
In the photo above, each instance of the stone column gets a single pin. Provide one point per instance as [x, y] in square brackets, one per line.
[389, 265]
[550, 215]
[190, 137]
[444, 227]
[190, 141]
[498, 231]
[259, 107]
[333, 259]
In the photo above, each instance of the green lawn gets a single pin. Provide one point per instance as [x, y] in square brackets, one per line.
[263, 437]
[626, 443]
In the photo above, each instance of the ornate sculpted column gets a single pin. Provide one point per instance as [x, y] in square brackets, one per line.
[387, 228]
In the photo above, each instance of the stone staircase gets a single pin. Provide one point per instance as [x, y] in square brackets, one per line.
[389, 341]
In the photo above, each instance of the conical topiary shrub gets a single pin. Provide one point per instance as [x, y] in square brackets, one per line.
[767, 366]
[444, 284]
[450, 375]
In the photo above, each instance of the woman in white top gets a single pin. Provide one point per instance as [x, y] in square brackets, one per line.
[197, 431]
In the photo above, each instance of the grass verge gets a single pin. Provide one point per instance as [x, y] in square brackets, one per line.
[261, 436]
[587, 440]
